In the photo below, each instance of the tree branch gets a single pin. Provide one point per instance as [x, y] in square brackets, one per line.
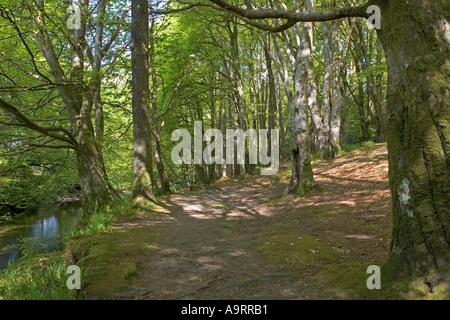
[22, 120]
[249, 15]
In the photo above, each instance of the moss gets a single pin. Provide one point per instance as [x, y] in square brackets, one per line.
[285, 174]
[225, 227]
[369, 228]
[147, 205]
[346, 281]
[111, 259]
[414, 287]
[281, 245]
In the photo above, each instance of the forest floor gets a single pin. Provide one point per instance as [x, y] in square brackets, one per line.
[243, 239]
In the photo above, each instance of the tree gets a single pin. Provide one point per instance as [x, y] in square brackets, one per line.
[415, 38]
[142, 185]
[154, 92]
[75, 73]
[418, 132]
[335, 128]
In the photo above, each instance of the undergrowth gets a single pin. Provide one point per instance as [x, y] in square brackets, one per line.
[43, 276]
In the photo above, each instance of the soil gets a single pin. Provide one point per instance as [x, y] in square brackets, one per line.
[244, 239]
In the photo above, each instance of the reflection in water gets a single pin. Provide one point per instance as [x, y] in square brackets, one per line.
[46, 226]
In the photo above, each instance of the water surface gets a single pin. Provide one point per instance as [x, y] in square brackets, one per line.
[46, 226]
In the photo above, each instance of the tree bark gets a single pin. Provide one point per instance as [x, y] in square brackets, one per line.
[281, 120]
[142, 187]
[418, 132]
[321, 130]
[271, 96]
[300, 139]
[158, 154]
[378, 92]
[335, 91]
[326, 87]
[302, 175]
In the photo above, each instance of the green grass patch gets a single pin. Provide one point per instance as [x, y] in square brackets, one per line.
[35, 276]
[369, 228]
[285, 174]
[347, 281]
[365, 145]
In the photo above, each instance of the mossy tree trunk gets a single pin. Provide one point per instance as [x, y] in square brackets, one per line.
[416, 39]
[142, 185]
[165, 185]
[91, 174]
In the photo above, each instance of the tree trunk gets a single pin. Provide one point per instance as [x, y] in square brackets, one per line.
[302, 174]
[79, 100]
[320, 129]
[142, 186]
[224, 130]
[364, 123]
[238, 89]
[335, 91]
[271, 96]
[91, 174]
[281, 121]
[326, 79]
[158, 154]
[378, 92]
[416, 39]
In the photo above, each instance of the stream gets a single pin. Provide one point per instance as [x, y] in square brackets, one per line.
[46, 225]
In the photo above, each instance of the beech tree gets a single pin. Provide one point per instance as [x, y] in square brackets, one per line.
[76, 75]
[142, 185]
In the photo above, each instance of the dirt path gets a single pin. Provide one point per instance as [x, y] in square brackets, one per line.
[244, 240]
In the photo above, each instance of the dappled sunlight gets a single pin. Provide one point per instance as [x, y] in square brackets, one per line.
[245, 238]
[358, 236]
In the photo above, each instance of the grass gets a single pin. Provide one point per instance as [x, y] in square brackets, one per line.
[350, 147]
[37, 276]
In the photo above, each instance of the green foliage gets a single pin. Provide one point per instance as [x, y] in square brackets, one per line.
[37, 178]
[30, 282]
[34, 276]
[98, 222]
[25, 247]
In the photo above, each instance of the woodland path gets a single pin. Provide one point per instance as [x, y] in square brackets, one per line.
[216, 243]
